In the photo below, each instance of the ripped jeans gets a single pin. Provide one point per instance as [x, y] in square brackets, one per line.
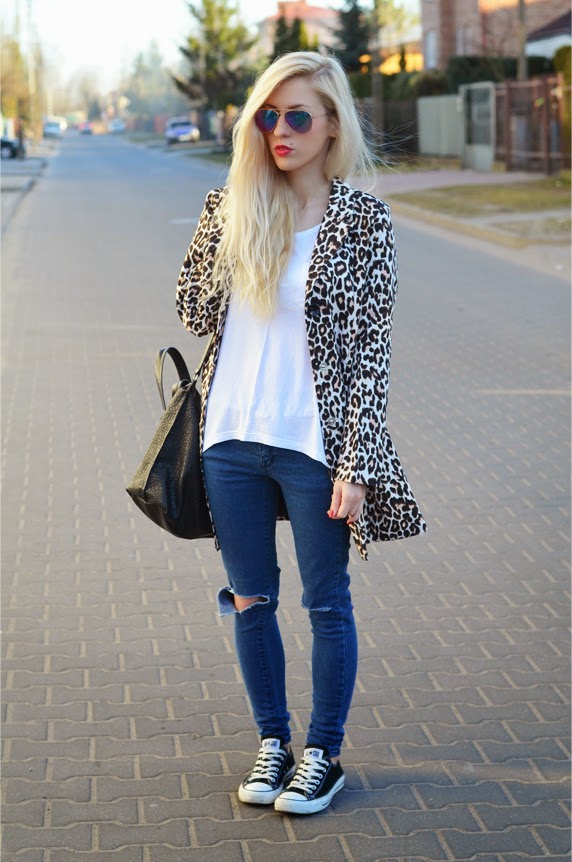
[242, 481]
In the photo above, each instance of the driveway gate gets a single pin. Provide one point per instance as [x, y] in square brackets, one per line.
[478, 127]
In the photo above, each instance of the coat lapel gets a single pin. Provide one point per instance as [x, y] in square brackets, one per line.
[334, 228]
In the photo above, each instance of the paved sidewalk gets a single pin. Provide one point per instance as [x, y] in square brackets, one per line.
[126, 730]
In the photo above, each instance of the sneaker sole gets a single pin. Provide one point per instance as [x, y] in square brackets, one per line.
[264, 797]
[308, 806]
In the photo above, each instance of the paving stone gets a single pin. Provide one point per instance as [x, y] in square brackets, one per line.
[424, 844]
[34, 769]
[64, 813]
[215, 805]
[116, 767]
[326, 848]
[77, 837]
[413, 754]
[497, 818]
[24, 813]
[531, 792]
[23, 855]
[503, 751]
[229, 851]
[514, 838]
[110, 789]
[106, 747]
[127, 728]
[28, 730]
[77, 789]
[124, 854]
[556, 838]
[438, 796]
[455, 816]
[112, 836]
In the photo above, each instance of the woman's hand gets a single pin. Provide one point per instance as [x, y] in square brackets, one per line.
[347, 500]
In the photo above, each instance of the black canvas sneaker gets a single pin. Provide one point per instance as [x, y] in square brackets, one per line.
[314, 785]
[274, 766]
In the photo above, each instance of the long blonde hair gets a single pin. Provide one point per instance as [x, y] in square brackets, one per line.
[257, 216]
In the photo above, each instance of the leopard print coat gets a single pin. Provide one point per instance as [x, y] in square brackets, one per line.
[350, 294]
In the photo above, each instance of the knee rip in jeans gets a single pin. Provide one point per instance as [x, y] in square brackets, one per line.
[227, 604]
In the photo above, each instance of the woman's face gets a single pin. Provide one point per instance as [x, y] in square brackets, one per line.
[291, 150]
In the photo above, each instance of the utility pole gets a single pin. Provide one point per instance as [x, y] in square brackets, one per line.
[376, 76]
[33, 119]
[522, 70]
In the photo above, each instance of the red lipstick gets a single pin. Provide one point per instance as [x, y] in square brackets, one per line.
[282, 150]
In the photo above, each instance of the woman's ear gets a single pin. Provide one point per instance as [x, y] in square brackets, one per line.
[333, 127]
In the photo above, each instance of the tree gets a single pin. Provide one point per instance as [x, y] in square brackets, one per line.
[352, 35]
[218, 55]
[292, 37]
[299, 39]
[281, 37]
[14, 80]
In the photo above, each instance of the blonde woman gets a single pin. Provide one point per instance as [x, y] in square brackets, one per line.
[295, 273]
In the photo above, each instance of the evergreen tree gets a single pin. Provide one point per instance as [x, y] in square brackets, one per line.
[281, 37]
[352, 35]
[299, 39]
[217, 52]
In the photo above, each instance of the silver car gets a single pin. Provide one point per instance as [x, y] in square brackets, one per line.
[180, 130]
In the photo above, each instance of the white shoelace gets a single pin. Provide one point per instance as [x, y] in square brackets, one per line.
[267, 764]
[309, 774]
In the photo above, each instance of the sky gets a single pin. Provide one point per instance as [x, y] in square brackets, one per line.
[109, 33]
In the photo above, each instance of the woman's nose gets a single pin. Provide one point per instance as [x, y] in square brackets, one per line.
[282, 127]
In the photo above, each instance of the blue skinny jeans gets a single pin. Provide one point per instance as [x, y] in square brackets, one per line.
[242, 481]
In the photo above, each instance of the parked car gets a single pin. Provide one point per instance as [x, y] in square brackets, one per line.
[85, 129]
[52, 129]
[117, 126]
[10, 148]
[180, 130]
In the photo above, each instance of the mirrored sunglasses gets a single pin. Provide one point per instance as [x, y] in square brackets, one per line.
[299, 121]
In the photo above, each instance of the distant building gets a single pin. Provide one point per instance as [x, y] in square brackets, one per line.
[545, 41]
[318, 20]
[482, 27]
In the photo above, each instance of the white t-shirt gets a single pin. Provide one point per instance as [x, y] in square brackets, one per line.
[263, 389]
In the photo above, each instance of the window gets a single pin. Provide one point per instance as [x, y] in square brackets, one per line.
[430, 49]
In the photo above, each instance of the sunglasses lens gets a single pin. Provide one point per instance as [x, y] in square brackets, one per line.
[266, 120]
[299, 121]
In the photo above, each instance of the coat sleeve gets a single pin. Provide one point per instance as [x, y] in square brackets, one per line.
[363, 456]
[197, 310]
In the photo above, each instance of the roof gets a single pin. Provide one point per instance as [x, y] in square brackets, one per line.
[561, 26]
[300, 9]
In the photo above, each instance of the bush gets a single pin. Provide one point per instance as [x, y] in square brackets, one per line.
[433, 82]
[360, 83]
[472, 69]
[562, 62]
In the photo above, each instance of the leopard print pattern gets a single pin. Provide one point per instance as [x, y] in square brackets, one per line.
[350, 296]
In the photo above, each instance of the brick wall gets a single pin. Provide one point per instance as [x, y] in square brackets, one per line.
[500, 22]
[480, 26]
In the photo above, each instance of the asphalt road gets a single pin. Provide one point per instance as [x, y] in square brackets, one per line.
[126, 729]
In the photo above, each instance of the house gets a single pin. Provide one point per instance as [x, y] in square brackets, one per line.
[545, 41]
[482, 27]
[319, 21]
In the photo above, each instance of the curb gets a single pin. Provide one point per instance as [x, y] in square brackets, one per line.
[19, 191]
[464, 227]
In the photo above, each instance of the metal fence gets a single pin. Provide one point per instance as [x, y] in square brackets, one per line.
[398, 120]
